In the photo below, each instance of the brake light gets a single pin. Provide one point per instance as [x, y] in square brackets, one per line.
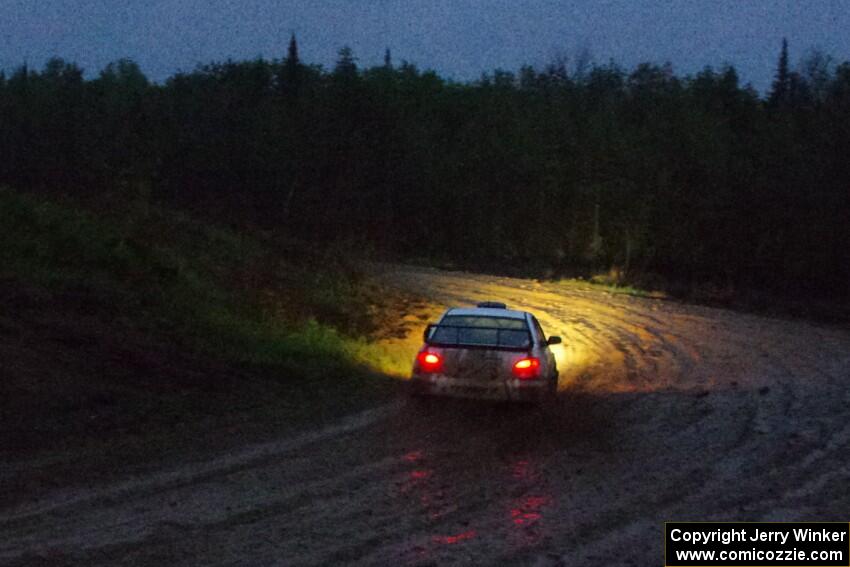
[429, 361]
[526, 368]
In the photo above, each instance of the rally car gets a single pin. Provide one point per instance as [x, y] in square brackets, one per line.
[488, 352]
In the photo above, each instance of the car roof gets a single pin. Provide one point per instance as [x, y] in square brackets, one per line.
[486, 312]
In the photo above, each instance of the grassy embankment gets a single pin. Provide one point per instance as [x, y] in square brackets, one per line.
[117, 325]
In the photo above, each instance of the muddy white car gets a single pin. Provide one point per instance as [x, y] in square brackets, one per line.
[487, 352]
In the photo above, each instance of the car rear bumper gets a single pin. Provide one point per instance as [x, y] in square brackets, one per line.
[508, 390]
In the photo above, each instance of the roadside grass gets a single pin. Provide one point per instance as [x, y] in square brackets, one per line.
[246, 297]
[172, 320]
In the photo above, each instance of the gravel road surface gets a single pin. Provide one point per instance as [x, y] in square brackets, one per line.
[666, 411]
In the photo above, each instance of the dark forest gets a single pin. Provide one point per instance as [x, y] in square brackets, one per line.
[572, 168]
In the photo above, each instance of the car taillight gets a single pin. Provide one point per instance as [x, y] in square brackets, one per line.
[429, 361]
[526, 368]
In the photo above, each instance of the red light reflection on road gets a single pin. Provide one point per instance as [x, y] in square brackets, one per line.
[436, 503]
[524, 470]
[413, 456]
[457, 538]
[527, 510]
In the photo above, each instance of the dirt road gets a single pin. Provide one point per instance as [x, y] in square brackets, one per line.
[666, 412]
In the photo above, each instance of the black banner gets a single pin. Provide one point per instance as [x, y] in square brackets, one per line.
[757, 544]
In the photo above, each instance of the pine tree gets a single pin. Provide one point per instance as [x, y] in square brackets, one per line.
[782, 83]
[346, 65]
[290, 80]
[292, 53]
[388, 60]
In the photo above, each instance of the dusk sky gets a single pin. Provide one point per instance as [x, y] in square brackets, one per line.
[458, 38]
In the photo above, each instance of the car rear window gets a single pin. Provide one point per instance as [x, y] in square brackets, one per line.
[472, 330]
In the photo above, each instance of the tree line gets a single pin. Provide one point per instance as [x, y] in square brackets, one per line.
[564, 169]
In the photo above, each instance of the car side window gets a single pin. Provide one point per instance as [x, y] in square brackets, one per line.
[538, 330]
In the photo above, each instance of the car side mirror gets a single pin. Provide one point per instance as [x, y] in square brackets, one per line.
[427, 332]
[553, 341]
